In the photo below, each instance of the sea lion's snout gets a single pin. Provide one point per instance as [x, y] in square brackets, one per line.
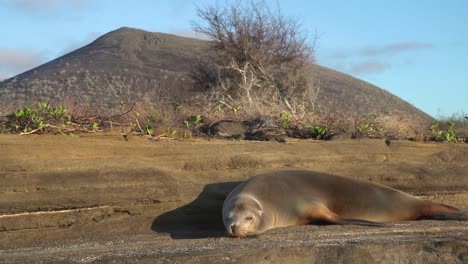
[237, 231]
[233, 228]
[242, 226]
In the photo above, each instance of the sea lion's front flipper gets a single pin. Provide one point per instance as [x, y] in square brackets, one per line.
[323, 215]
[317, 214]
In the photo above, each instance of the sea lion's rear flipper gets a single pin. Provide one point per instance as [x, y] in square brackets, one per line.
[437, 211]
[445, 216]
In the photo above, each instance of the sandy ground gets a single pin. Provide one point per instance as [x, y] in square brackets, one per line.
[99, 198]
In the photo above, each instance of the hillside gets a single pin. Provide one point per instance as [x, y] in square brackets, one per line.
[132, 64]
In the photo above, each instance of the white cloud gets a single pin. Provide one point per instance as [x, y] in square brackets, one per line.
[369, 67]
[14, 61]
[395, 48]
[381, 50]
[45, 6]
[375, 59]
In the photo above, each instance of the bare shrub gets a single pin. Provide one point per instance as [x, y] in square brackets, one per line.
[257, 57]
[398, 126]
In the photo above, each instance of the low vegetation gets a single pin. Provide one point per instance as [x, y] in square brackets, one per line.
[44, 118]
[41, 118]
[451, 129]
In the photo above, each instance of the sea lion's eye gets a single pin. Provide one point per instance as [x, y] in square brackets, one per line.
[248, 218]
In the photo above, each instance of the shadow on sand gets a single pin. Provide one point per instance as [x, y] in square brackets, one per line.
[199, 219]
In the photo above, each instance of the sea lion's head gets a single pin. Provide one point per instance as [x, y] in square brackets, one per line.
[242, 216]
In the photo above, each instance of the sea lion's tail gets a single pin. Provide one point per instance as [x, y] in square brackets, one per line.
[437, 211]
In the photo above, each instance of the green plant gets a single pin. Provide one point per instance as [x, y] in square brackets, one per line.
[285, 115]
[149, 131]
[450, 137]
[321, 130]
[151, 119]
[450, 134]
[123, 105]
[172, 131]
[440, 135]
[218, 109]
[366, 128]
[131, 125]
[194, 120]
[57, 112]
[29, 120]
[284, 123]
[46, 118]
[197, 119]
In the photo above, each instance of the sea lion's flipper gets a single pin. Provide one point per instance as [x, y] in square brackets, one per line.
[438, 211]
[318, 214]
[323, 215]
[445, 216]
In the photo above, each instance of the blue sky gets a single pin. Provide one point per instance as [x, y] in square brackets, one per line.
[417, 50]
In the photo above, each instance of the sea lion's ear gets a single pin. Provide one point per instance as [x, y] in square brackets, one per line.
[260, 212]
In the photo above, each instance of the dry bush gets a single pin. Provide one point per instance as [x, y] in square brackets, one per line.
[398, 126]
[258, 57]
[459, 121]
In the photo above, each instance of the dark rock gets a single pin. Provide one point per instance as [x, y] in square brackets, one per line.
[228, 129]
[262, 122]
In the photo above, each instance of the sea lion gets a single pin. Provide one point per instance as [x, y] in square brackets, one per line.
[298, 197]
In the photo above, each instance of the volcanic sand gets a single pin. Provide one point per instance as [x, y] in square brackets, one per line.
[101, 198]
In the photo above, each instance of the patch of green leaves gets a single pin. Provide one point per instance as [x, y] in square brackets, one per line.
[318, 132]
[366, 128]
[321, 130]
[193, 121]
[442, 135]
[218, 110]
[42, 118]
[172, 131]
[284, 124]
